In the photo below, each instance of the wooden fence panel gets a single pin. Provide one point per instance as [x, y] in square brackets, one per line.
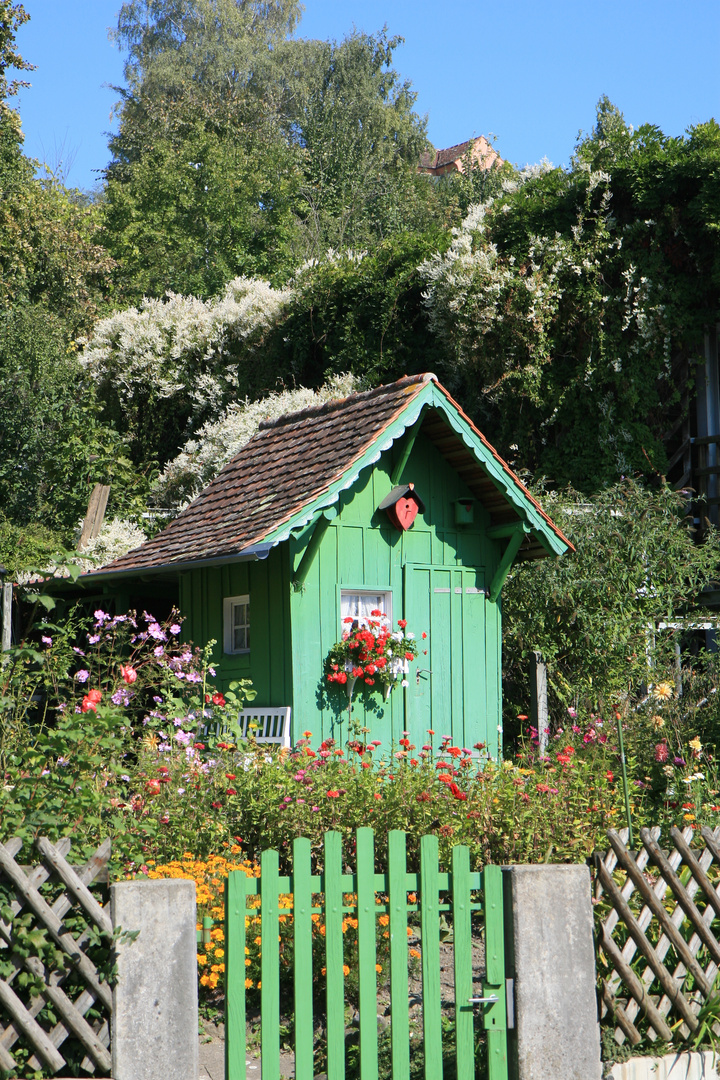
[660, 941]
[25, 1015]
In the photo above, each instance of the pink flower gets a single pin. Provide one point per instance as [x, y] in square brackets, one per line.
[661, 752]
[128, 673]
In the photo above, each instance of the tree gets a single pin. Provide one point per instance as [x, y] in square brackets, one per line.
[595, 615]
[202, 180]
[569, 299]
[353, 117]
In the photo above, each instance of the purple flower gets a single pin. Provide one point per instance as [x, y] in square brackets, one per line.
[46, 640]
[101, 617]
[125, 777]
[183, 737]
[212, 672]
[159, 650]
[156, 631]
[178, 721]
[175, 628]
[679, 761]
[78, 651]
[82, 675]
[121, 696]
[157, 700]
[93, 639]
[193, 676]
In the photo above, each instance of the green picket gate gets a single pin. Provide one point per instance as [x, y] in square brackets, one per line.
[325, 895]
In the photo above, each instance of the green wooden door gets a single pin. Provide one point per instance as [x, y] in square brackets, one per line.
[448, 686]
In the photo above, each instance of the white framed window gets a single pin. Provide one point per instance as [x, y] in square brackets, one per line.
[236, 613]
[358, 604]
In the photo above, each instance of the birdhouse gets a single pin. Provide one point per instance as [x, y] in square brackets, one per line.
[402, 505]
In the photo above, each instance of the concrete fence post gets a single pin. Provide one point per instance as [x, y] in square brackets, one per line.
[549, 922]
[155, 1002]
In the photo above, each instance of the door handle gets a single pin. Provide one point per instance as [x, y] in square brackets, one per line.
[419, 672]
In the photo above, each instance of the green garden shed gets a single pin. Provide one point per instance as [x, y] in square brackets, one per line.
[389, 499]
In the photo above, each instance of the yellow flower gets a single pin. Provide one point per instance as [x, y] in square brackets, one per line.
[657, 722]
[696, 744]
[201, 959]
[688, 817]
[378, 968]
[248, 962]
[663, 691]
[384, 920]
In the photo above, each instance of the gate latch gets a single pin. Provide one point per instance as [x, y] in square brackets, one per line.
[483, 1000]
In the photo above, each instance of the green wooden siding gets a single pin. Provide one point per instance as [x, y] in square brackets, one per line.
[293, 629]
[267, 582]
[361, 550]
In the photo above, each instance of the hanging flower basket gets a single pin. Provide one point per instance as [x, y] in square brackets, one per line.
[372, 654]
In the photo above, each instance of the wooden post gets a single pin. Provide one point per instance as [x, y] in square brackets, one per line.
[538, 700]
[6, 592]
[95, 514]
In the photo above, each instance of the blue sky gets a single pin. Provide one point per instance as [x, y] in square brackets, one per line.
[529, 72]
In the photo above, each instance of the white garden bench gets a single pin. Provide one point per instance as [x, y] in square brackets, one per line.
[270, 725]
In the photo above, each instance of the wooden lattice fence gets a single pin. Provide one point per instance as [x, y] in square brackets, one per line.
[658, 946]
[68, 991]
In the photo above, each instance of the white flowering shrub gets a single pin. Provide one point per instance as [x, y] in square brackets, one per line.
[116, 538]
[173, 363]
[561, 342]
[217, 441]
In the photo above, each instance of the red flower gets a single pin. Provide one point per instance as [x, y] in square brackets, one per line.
[333, 794]
[230, 791]
[423, 635]
[217, 806]
[128, 673]
[609, 776]
[229, 775]
[87, 705]
[218, 699]
[402, 623]
[661, 752]
[199, 745]
[153, 787]
[424, 796]
[409, 656]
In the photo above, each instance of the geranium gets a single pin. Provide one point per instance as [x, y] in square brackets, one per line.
[371, 652]
[128, 673]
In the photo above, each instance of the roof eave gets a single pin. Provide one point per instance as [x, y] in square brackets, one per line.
[251, 554]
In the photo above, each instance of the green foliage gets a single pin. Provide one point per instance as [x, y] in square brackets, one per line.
[195, 197]
[53, 444]
[12, 17]
[23, 546]
[571, 298]
[359, 314]
[594, 615]
[353, 117]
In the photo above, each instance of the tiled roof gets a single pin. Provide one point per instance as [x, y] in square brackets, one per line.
[290, 462]
[437, 158]
[295, 460]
